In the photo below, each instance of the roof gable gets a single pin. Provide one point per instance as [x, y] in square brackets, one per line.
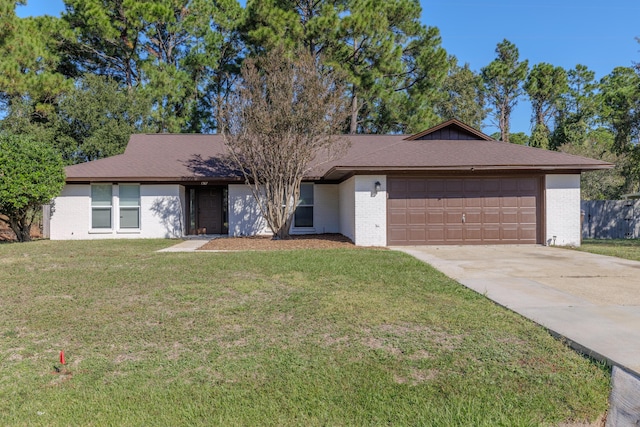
[450, 130]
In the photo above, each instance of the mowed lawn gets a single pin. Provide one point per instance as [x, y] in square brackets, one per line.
[621, 248]
[308, 337]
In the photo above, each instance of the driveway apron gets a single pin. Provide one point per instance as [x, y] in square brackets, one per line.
[591, 300]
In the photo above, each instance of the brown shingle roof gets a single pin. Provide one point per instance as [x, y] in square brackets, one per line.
[185, 157]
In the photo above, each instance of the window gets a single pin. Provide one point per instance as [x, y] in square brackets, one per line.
[101, 206]
[304, 212]
[129, 206]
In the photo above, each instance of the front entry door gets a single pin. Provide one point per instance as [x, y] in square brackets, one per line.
[209, 211]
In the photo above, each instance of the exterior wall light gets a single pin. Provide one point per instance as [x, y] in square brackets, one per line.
[376, 187]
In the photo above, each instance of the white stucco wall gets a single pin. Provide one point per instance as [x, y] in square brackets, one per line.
[347, 195]
[562, 199]
[370, 211]
[245, 218]
[161, 214]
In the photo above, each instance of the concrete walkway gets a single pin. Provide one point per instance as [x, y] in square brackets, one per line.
[591, 300]
[186, 246]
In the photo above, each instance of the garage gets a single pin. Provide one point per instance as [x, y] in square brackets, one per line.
[464, 210]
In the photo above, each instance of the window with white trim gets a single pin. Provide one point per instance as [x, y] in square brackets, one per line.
[129, 206]
[303, 217]
[101, 206]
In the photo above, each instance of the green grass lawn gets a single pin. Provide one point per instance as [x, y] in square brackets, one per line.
[621, 248]
[333, 337]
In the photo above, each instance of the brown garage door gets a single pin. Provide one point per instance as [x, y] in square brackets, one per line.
[440, 211]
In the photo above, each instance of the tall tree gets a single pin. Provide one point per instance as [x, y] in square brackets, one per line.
[545, 85]
[503, 79]
[280, 122]
[392, 62]
[620, 101]
[97, 117]
[176, 51]
[31, 174]
[30, 61]
[577, 109]
[607, 184]
[462, 96]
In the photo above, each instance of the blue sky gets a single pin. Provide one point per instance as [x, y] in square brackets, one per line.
[561, 32]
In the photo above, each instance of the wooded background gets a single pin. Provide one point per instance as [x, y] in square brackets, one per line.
[108, 68]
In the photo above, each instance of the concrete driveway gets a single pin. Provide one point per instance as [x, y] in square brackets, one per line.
[591, 300]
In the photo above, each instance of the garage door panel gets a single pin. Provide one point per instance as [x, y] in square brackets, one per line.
[417, 186]
[528, 185]
[453, 186]
[430, 211]
[417, 235]
[472, 217]
[473, 234]
[453, 217]
[527, 217]
[528, 202]
[509, 233]
[417, 218]
[416, 203]
[509, 216]
[491, 186]
[436, 202]
[435, 218]
[491, 217]
[397, 203]
[453, 234]
[473, 202]
[491, 234]
[453, 202]
[435, 234]
[436, 186]
[528, 234]
[491, 202]
[397, 218]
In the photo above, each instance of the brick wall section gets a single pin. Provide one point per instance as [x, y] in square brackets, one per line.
[370, 211]
[563, 210]
[347, 204]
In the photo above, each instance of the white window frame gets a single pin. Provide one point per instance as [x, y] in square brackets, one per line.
[102, 208]
[306, 205]
[121, 207]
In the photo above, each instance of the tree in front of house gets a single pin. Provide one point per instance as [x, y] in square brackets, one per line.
[279, 123]
[31, 175]
[503, 79]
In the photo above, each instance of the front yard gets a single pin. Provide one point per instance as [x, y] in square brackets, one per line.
[307, 337]
[621, 248]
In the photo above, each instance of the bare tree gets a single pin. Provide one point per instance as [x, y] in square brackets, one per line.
[281, 121]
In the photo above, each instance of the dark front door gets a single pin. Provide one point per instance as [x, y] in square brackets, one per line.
[209, 211]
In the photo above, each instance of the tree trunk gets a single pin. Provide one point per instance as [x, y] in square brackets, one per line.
[354, 113]
[21, 229]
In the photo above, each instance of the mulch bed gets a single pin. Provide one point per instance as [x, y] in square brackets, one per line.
[266, 243]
